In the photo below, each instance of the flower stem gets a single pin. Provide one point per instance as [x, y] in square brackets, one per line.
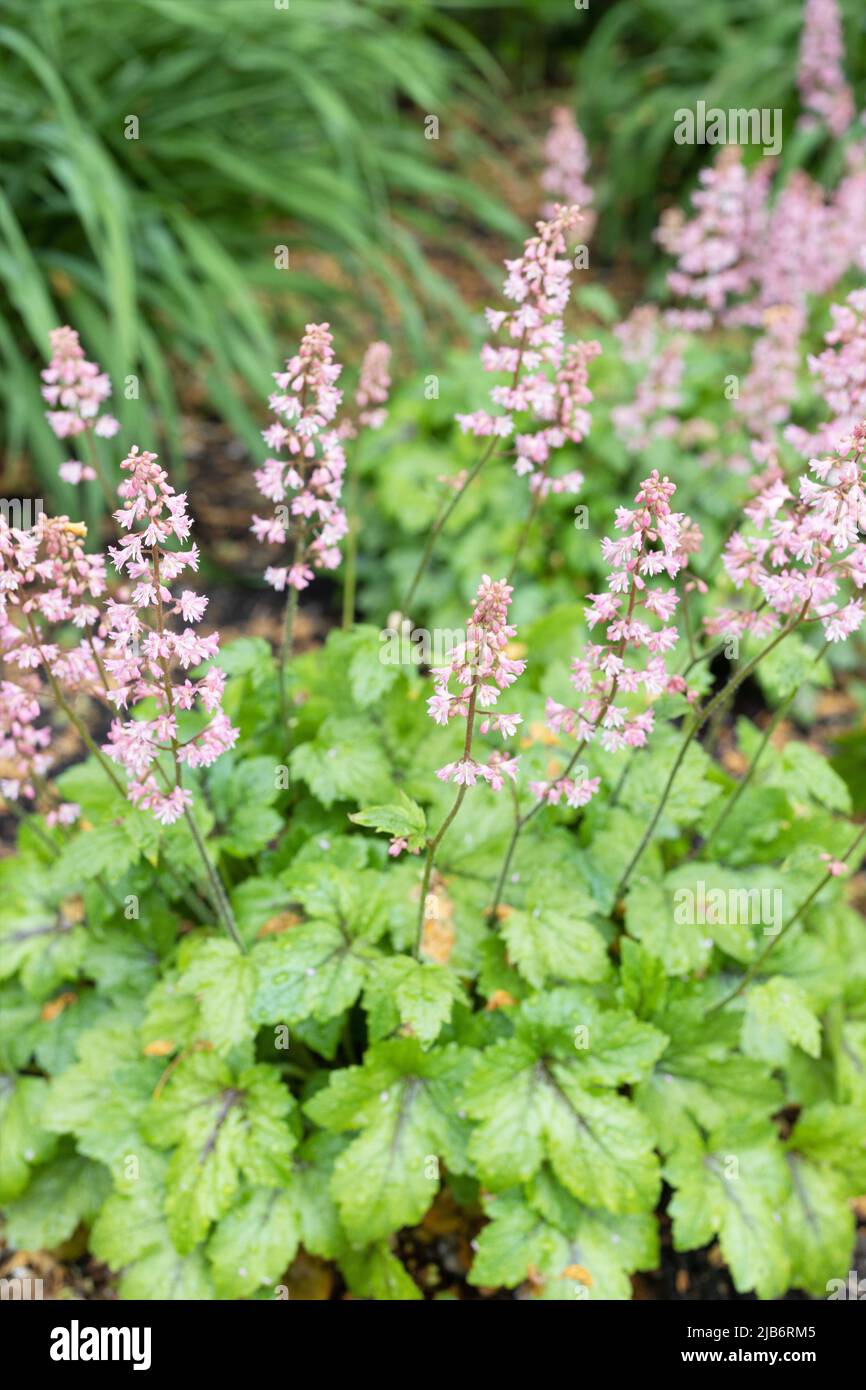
[434, 843]
[446, 512]
[795, 917]
[62, 703]
[107, 490]
[29, 819]
[441, 520]
[519, 826]
[350, 568]
[732, 800]
[221, 903]
[749, 773]
[524, 534]
[718, 700]
[287, 646]
[524, 820]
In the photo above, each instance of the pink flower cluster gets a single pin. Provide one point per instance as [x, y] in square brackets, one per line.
[637, 616]
[821, 78]
[547, 381]
[481, 670]
[374, 384]
[841, 373]
[47, 578]
[571, 422]
[770, 386]
[144, 649]
[566, 167]
[75, 389]
[738, 255]
[648, 415]
[305, 407]
[801, 252]
[803, 551]
[25, 759]
[23, 743]
[717, 250]
[756, 264]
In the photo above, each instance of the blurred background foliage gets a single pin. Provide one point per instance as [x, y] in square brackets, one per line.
[304, 127]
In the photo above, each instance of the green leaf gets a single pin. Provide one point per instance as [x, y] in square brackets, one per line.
[834, 1135]
[109, 1063]
[402, 1101]
[535, 1100]
[548, 944]
[254, 901]
[224, 1126]
[698, 906]
[694, 1086]
[250, 829]
[242, 791]
[350, 897]
[851, 1060]
[321, 1231]
[819, 1225]
[753, 828]
[418, 995]
[24, 1141]
[313, 970]
[579, 1253]
[108, 850]
[643, 981]
[254, 1243]
[235, 782]
[778, 1013]
[224, 982]
[369, 676]
[404, 818]
[114, 959]
[692, 790]
[20, 1025]
[788, 666]
[378, 1274]
[63, 1194]
[602, 1249]
[87, 784]
[40, 937]
[131, 1236]
[515, 1238]
[734, 1187]
[805, 772]
[616, 835]
[171, 1017]
[344, 762]
[247, 656]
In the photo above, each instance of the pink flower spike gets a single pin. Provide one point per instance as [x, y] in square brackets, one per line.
[656, 540]
[311, 436]
[75, 389]
[143, 649]
[480, 670]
